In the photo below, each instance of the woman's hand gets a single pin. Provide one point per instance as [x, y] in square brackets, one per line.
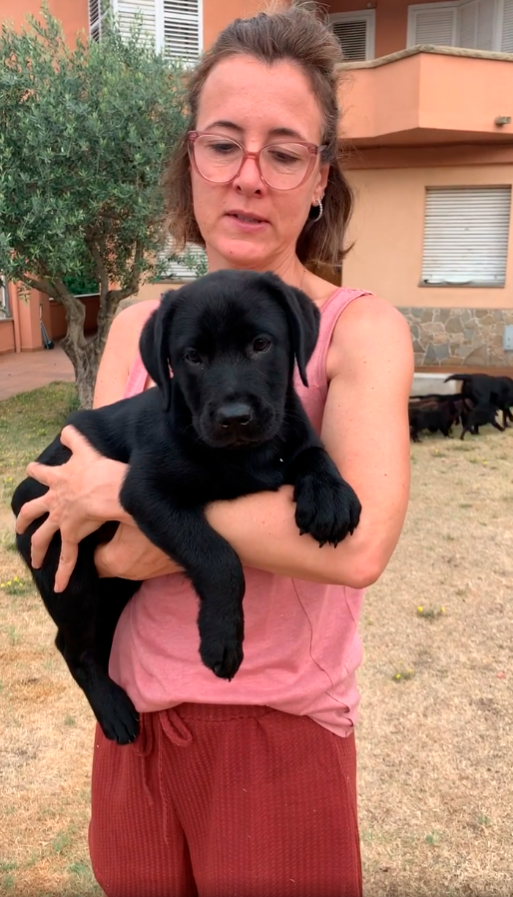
[82, 494]
[130, 555]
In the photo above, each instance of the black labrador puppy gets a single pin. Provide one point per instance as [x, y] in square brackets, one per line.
[479, 416]
[440, 417]
[225, 421]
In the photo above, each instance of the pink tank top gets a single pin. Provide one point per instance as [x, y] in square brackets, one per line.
[301, 646]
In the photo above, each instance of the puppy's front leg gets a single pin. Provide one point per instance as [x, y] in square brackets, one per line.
[210, 563]
[326, 506]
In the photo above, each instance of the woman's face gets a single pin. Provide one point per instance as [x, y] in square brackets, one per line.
[256, 104]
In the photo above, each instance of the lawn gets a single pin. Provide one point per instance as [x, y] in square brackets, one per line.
[436, 731]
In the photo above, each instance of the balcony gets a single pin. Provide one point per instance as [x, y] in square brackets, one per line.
[428, 95]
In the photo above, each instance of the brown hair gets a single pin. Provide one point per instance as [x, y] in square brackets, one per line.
[296, 34]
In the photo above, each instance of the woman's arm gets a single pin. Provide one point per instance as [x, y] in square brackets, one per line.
[84, 492]
[365, 430]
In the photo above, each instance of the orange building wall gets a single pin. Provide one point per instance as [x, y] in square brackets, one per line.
[388, 230]
[71, 13]
[6, 335]
[217, 15]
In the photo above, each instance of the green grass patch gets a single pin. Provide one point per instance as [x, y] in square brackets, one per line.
[28, 423]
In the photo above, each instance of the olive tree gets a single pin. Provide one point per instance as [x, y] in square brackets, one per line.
[85, 135]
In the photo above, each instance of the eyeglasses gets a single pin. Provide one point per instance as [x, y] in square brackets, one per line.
[282, 166]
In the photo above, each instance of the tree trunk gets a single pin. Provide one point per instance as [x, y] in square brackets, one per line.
[85, 356]
[85, 362]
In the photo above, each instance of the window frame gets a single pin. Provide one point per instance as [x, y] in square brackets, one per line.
[103, 9]
[113, 5]
[469, 283]
[497, 28]
[360, 15]
[5, 311]
[160, 30]
[415, 8]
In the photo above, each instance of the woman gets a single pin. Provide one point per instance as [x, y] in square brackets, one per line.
[249, 788]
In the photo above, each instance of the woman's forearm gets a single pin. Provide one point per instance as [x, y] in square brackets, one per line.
[262, 530]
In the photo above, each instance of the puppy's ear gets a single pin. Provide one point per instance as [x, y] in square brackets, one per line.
[304, 320]
[154, 342]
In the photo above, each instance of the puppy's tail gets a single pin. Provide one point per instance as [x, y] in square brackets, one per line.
[458, 377]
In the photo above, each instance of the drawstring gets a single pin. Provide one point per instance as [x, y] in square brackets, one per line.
[174, 729]
[143, 747]
[177, 733]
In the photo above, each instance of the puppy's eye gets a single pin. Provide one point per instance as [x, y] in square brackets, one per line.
[261, 344]
[192, 357]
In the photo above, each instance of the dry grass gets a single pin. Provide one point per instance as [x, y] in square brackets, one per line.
[46, 724]
[436, 732]
[435, 746]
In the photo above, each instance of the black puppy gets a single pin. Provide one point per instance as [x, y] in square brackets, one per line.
[478, 417]
[441, 417]
[484, 389]
[226, 423]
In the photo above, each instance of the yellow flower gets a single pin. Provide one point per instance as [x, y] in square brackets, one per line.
[420, 609]
[2, 585]
[9, 583]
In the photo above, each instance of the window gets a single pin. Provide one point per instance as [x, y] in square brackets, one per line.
[188, 265]
[356, 33]
[126, 10]
[474, 24]
[175, 26]
[476, 20]
[466, 233]
[432, 23]
[181, 29]
[4, 298]
[97, 12]
[506, 25]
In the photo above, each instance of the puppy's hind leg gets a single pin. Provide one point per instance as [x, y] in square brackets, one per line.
[86, 614]
[111, 705]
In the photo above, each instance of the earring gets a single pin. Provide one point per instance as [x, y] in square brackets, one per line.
[319, 212]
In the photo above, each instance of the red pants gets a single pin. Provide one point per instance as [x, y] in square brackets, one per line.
[226, 802]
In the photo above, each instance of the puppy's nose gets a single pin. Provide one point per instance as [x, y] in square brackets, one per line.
[234, 414]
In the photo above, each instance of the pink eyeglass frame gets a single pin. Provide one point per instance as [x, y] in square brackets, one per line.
[312, 148]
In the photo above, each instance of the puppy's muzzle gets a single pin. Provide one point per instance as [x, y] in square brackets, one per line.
[233, 415]
[237, 423]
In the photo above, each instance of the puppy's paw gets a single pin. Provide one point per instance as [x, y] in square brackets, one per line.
[221, 644]
[326, 507]
[117, 715]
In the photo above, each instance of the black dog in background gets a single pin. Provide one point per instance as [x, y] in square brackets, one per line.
[479, 416]
[226, 423]
[485, 390]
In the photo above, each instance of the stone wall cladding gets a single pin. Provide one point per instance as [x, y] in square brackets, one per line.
[451, 337]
